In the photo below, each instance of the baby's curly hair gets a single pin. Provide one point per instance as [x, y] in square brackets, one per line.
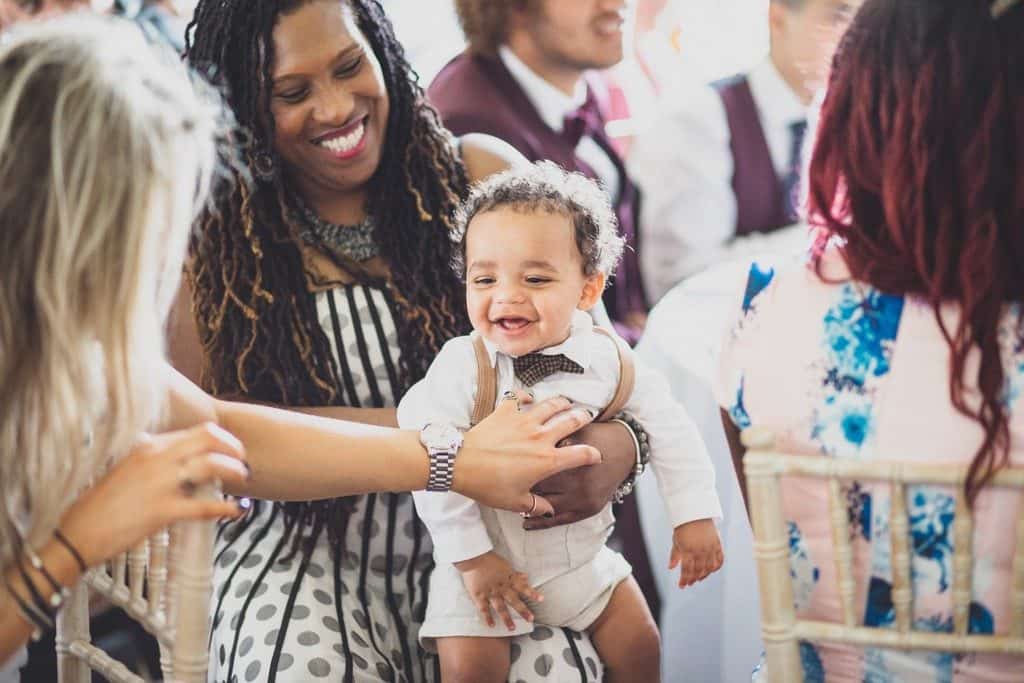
[546, 187]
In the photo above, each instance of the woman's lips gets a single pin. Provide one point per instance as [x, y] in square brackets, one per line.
[347, 142]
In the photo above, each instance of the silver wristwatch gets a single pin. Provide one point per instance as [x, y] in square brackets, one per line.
[442, 442]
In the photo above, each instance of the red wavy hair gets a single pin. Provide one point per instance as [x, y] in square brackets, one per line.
[918, 169]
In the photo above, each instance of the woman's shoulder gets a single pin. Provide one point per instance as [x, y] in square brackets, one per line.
[484, 155]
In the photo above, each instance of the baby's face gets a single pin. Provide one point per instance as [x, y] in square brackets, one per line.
[524, 279]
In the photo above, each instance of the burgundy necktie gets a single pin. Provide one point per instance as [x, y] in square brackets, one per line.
[585, 121]
[533, 367]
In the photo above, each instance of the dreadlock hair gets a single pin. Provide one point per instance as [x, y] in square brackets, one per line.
[919, 171]
[257, 320]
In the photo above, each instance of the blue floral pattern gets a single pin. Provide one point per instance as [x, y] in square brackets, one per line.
[1013, 356]
[802, 569]
[757, 282]
[859, 332]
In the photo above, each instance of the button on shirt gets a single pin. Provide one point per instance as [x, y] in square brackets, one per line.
[553, 105]
[686, 477]
[684, 166]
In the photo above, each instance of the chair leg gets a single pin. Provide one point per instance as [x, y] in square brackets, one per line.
[72, 626]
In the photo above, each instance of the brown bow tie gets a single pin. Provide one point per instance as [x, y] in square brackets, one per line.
[533, 367]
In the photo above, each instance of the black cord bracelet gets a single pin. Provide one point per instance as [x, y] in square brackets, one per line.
[42, 614]
[32, 616]
[71, 549]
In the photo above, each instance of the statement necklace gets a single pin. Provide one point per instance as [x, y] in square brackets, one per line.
[355, 242]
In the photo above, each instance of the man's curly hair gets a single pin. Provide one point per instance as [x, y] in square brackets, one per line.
[485, 22]
[545, 187]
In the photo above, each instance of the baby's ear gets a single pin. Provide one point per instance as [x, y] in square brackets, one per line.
[593, 288]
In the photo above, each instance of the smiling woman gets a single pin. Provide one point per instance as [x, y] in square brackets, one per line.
[330, 110]
[326, 286]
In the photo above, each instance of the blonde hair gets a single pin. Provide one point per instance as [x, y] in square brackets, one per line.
[105, 150]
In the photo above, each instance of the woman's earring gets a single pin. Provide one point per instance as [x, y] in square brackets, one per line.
[263, 166]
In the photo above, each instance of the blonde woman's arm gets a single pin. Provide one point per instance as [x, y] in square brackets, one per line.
[305, 457]
[146, 491]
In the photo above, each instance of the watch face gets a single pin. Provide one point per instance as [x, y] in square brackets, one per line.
[441, 437]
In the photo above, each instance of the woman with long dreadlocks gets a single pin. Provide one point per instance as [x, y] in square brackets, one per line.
[326, 286]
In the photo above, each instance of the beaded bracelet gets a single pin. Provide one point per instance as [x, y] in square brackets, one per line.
[639, 434]
[60, 592]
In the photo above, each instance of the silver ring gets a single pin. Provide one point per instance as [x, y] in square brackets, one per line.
[511, 396]
[532, 509]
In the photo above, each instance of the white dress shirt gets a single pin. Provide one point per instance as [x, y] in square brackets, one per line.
[553, 105]
[686, 477]
[684, 167]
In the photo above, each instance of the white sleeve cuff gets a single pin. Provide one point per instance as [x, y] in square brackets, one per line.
[690, 506]
[462, 544]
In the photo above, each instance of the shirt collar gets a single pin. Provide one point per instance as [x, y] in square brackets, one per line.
[551, 103]
[778, 103]
[576, 348]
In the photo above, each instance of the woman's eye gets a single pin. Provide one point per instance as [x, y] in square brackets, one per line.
[483, 281]
[349, 69]
[292, 96]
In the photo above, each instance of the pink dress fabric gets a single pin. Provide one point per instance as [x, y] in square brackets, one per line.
[842, 370]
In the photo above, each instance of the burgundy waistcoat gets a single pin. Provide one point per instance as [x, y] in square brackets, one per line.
[478, 94]
[758, 188]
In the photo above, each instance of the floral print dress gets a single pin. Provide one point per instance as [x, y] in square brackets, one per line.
[843, 370]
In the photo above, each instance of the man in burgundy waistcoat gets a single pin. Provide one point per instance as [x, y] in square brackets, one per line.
[720, 168]
[523, 79]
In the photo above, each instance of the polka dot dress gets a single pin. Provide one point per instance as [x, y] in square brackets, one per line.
[351, 616]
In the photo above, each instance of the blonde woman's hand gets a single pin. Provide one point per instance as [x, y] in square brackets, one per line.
[506, 454]
[154, 486]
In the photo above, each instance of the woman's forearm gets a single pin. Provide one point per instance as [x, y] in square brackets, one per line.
[382, 417]
[306, 457]
[297, 456]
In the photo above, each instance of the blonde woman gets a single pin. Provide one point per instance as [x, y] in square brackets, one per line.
[103, 146]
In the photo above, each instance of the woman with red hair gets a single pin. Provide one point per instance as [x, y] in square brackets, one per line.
[902, 337]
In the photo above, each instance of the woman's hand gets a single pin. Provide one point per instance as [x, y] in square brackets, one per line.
[152, 487]
[583, 492]
[504, 456]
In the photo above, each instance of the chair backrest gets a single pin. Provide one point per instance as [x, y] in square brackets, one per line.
[164, 584]
[782, 629]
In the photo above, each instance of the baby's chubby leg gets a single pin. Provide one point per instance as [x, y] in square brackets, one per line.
[467, 659]
[626, 637]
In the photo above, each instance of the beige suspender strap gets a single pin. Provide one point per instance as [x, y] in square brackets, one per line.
[627, 376]
[486, 381]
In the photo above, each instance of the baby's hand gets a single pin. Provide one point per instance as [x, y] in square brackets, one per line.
[494, 585]
[696, 546]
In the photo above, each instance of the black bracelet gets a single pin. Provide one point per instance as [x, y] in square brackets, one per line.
[71, 549]
[640, 440]
[41, 613]
[60, 592]
[32, 616]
